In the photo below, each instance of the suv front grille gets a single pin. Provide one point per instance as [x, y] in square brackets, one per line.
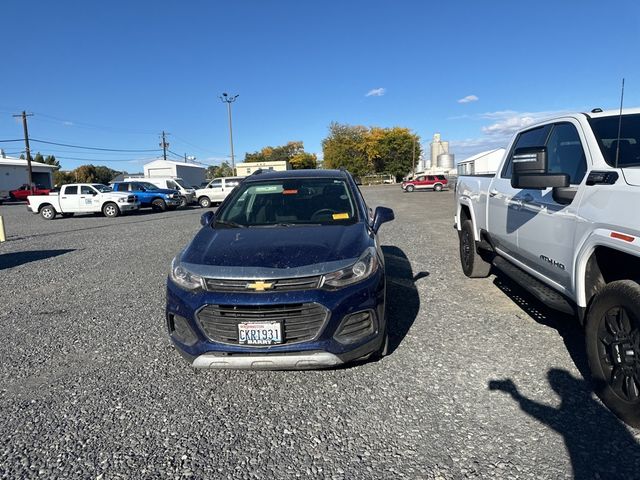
[280, 285]
[300, 322]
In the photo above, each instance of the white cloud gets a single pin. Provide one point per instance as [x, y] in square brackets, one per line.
[376, 92]
[502, 125]
[468, 99]
[508, 121]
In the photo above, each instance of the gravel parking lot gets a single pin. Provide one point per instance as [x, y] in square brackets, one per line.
[481, 382]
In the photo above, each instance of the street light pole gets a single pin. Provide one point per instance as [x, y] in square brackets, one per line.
[229, 99]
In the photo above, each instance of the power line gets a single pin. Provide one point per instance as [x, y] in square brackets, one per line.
[93, 148]
[8, 141]
[105, 160]
[72, 123]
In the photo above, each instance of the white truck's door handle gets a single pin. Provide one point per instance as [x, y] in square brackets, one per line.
[493, 192]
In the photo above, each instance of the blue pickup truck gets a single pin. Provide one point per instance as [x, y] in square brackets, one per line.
[159, 199]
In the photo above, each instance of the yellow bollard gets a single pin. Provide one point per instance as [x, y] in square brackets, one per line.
[2, 236]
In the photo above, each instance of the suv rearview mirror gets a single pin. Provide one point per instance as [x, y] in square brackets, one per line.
[382, 215]
[530, 170]
[206, 218]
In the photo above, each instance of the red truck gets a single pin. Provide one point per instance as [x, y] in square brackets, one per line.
[426, 182]
[24, 191]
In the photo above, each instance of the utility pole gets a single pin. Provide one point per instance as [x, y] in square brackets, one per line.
[24, 116]
[164, 144]
[229, 100]
[414, 155]
[185, 158]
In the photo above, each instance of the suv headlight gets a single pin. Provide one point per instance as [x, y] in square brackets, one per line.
[183, 277]
[364, 267]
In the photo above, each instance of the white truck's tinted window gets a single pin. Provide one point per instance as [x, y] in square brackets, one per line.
[71, 190]
[565, 153]
[536, 137]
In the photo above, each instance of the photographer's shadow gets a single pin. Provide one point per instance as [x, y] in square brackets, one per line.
[599, 444]
[403, 299]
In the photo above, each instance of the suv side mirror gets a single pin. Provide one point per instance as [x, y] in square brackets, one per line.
[382, 215]
[530, 170]
[206, 218]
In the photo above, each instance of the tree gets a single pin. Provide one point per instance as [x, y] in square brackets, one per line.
[224, 170]
[60, 177]
[38, 158]
[85, 174]
[364, 151]
[396, 151]
[292, 152]
[105, 174]
[304, 160]
[211, 171]
[345, 147]
[51, 160]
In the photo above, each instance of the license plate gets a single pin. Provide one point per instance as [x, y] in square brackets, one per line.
[259, 333]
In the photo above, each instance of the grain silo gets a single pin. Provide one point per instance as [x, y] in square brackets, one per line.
[446, 161]
[438, 147]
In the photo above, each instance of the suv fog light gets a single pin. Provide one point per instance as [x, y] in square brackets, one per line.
[355, 327]
[179, 329]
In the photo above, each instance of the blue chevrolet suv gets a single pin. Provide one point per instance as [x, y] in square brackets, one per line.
[287, 274]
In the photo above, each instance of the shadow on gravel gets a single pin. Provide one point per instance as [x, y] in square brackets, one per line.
[566, 325]
[598, 444]
[10, 260]
[403, 300]
[140, 217]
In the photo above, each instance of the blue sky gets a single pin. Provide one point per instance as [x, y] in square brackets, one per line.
[114, 74]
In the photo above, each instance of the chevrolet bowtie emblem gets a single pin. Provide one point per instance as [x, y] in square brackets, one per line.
[259, 286]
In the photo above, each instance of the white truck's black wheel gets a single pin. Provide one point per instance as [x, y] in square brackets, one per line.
[410, 188]
[48, 212]
[110, 210]
[473, 265]
[183, 202]
[159, 205]
[205, 202]
[612, 336]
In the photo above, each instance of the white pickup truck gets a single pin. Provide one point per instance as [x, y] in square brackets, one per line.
[561, 217]
[82, 198]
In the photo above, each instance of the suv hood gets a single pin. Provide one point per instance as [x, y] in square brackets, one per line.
[273, 248]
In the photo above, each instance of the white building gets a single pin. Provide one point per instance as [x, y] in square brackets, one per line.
[15, 173]
[245, 169]
[191, 173]
[483, 163]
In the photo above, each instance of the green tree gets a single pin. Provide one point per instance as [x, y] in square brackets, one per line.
[38, 158]
[105, 174]
[304, 160]
[60, 177]
[396, 151]
[224, 170]
[211, 171]
[292, 152]
[51, 160]
[345, 147]
[85, 174]
[364, 151]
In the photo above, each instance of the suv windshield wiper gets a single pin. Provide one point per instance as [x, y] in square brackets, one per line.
[229, 224]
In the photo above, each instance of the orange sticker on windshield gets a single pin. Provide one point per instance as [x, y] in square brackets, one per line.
[289, 192]
[340, 216]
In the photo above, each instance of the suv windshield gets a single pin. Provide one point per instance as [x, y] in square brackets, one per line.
[101, 188]
[180, 182]
[606, 131]
[289, 202]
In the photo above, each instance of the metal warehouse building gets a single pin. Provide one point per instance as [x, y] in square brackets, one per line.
[192, 174]
[14, 173]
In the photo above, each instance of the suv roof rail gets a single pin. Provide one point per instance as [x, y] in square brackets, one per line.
[257, 172]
